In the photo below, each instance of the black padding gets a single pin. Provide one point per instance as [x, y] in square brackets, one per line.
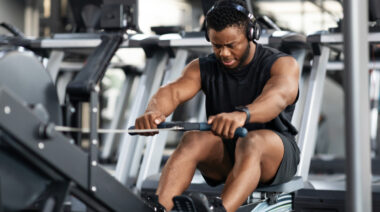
[21, 185]
[23, 74]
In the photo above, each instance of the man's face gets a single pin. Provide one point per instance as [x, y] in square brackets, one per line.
[230, 46]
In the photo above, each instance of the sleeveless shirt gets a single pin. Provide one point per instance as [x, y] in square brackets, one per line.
[225, 89]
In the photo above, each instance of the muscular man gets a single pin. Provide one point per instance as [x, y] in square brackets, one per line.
[246, 84]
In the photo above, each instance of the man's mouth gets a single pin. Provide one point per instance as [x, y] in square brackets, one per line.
[228, 62]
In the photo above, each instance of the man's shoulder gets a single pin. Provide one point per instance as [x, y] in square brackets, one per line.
[268, 51]
[267, 55]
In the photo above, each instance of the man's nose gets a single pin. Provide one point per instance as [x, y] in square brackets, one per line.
[224, 52]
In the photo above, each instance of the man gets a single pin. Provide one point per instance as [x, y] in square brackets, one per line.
[245, 84]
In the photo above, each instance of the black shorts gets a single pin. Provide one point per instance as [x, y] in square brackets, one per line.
[287, 168]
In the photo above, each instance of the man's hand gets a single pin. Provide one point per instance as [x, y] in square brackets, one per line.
[149, 120]
[225, 124]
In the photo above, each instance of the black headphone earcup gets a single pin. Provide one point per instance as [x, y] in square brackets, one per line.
[249, 33]
[206, 31]
[257, 31]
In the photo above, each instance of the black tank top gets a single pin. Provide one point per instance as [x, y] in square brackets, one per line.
[226, 89]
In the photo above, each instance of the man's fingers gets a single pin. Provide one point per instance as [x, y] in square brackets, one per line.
[160, 119]
[147, 124]
[210, 119]
[217, 127]
[226, 129]
[232, 130]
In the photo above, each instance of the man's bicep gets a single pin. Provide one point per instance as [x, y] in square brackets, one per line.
[284, 78]
[189, 84]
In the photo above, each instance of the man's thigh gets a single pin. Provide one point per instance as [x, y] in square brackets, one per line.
[264, 146]
[279, 154]
[213, 159]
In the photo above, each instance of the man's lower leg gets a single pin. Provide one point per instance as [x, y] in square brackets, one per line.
[241, 182]
[176, 177]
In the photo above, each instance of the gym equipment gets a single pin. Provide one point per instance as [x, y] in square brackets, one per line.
[93, 15]
[165, 126]
[43, 161]
[328, 193]
[374, 14]
[56, 167]
[40, 168]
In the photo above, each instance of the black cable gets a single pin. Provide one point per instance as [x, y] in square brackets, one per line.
[12, 29]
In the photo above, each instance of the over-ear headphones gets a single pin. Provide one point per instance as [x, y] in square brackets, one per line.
[253, 28]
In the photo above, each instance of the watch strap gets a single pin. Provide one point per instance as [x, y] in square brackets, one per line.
[246, 110]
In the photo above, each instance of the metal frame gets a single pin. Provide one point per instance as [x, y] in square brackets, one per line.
[358, 172]
[50, 156]
[149, 81]
[359, 190]
[310, 117]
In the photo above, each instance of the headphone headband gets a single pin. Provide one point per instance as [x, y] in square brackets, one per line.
[253, 29]
[229, 4]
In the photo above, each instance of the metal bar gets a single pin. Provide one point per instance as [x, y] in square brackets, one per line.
[80, 88]
[299, 55]
[309, 123]
[54, 64]
[86, 130]
[374, 102]
[201, 42]
[93, 151]
[249, 6]
[358, 195]
[337, 38]
[338, 66]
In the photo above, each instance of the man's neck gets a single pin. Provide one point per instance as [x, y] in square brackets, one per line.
[248, 55]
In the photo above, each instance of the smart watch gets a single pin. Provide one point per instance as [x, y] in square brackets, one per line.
[246, 110]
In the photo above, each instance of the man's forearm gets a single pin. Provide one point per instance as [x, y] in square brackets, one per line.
[163, 101]
[266, 107]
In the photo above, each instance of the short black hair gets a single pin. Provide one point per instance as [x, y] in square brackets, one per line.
[221, 17]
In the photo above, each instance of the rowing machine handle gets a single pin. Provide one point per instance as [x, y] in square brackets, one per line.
[239, 132]
[202, 126]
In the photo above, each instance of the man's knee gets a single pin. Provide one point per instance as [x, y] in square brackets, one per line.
[202, 146]
[252, 144]
[189, 140]
[261, 144]
[191, 143]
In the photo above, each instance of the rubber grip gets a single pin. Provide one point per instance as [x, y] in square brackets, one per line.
[162, 125]
[132, 128]
[239, 132]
